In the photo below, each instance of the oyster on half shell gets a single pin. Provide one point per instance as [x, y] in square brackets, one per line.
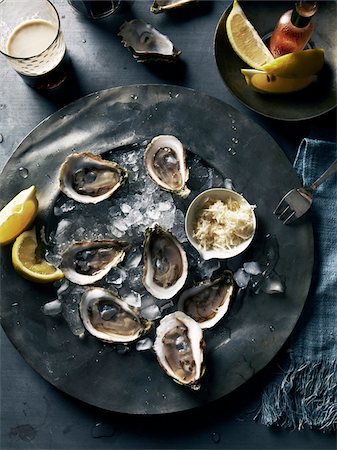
[208, 301]
[179, 347]
[88, 178]
[165, 162]
[86, 262]
[159, 6]
[109, 318]
[146, 43]
[165, 263]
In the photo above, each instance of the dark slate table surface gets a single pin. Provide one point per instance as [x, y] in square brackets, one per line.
[34, 415]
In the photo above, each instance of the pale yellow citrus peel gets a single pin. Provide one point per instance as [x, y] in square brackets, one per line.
[263, 82]
[28, 264]
[18, 215]
[245, 40]
[297, 65]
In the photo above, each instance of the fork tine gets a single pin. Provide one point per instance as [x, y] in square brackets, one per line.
[284, 214]
[279, 208]
[290, 218]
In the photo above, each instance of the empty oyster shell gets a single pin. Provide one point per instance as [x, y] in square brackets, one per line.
[179, 347]
[88, 178]
[165, 5]
[208, 302]
[146, 43]
[165, 263]
[165, 162]
[109, 318]
[88, 261]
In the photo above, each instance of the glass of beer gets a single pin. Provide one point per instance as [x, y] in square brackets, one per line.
[32, 41]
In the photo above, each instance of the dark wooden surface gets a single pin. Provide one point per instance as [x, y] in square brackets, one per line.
[34, 414]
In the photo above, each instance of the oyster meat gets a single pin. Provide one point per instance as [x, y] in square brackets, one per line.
[165, 162]
[179, 347]
[208, 302]
[86, 262]
[109, 318]
[88, 178]
[159, 6]
[165, 263]
[146, 43]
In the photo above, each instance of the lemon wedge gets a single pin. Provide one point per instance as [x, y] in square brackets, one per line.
[297, 65]
[263, 82]
[27, 263]
[18, 215]
[245, 40]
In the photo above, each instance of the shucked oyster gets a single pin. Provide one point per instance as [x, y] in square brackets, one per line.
[208, 302]
[179, 347]
[146, 43]
[165, 263]
[109, 318]
[88, 178]
[165, 162]
[88, 261]
[165, 5]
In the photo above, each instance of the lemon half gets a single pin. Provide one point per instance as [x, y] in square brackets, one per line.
[28, 264]
[245, 40]
[297, 65]
[18, 215]
[262, 82]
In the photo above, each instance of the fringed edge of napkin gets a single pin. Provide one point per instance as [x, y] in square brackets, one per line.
[304, 397]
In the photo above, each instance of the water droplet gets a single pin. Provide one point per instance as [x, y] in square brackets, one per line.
[15, 304]
[235, 140]
[149, 378]
[146, 403]
[150, 117]
[84, 41]
[101, 429]
[233, 153]
[23, 172]
[233, 120]
[96, 360]
[177, 95]
[134, 96]
[146, 391]
[3, 106]
[18, 323]
[253, 340]
[229, 149]
[271, 328]
[234, 128]
[216, 437]
[1, 138]
[170, 94]
[164, 396]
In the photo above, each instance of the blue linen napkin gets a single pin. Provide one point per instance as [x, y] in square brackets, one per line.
[304, 394]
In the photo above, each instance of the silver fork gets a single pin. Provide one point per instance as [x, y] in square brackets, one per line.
[297, 201]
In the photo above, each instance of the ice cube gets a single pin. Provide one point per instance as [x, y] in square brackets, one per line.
[133, 299]
[133, 258]
[273, 284]
[228, 184]
[135, 276]
[206, 268]
[64, 208]
[72, 316]
[125, 208]
[52, 308]
[144, 344]
[153, 212]
[252, 267]
[150, 312]
[120, 225]
[116, 276]
[241, 278]
[63, 288]
[165, 206]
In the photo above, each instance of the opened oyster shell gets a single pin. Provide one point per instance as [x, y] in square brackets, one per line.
[179, 347]
[109, 318]
[88, 178]
[165, 263]
[208, 302]
[165, 5]
[146, 43]
[165, 162]
[88, 261]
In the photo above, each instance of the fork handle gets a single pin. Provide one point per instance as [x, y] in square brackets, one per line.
[329, 171]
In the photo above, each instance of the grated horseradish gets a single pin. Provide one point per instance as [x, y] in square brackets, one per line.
[223, 224]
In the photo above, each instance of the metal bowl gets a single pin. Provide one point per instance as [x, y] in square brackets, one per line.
[193, 210]
[313, 101]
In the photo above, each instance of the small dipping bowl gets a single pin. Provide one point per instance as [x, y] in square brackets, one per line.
[193, 211]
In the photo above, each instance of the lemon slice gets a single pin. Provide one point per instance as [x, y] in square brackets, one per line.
[245, 40]
[28, 264]
[18, 215]
[262, 82]
[297, 65]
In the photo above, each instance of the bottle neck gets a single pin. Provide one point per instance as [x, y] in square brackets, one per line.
[302, 13]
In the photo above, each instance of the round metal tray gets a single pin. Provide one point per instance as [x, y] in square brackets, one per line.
[244, 341]
[311, 102]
